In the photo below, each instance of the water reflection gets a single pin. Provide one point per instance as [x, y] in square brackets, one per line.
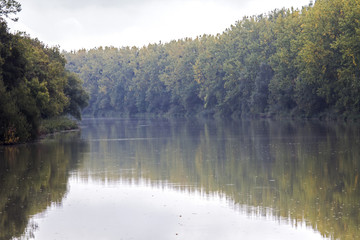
[304, 172]
[33, 177]
[298, 173]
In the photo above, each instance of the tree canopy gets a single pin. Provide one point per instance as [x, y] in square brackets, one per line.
[9, 7]
[34, 85]
[288, 62]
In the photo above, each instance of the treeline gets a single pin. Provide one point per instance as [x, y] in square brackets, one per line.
[289, 62]
[34, 85]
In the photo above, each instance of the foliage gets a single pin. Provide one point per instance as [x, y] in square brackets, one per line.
[78, 97]
[8, 7]
[34, 85]
[294, 62]
[56, 124]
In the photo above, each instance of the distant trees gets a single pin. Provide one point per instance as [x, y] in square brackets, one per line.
[292, 62]
[34, 85]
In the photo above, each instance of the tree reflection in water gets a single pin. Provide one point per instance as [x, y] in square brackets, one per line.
[32, 178]
[301, 172]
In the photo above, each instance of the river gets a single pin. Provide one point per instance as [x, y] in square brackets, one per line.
[184, 179]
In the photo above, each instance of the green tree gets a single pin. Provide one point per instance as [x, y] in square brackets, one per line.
[209, 73]
[18, 113]
[318, 61]
[287, 29]
[292, 62]
[178, 76]
[33, 80]
[78, 97]
[348, 45]
[9, 7]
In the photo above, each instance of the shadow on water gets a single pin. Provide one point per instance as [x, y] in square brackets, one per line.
[32, 178]
[298, 172]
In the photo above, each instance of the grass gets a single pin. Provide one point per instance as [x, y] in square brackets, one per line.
[58, 124]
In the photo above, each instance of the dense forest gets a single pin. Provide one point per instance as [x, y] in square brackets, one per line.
[287, 63]
[34, 83]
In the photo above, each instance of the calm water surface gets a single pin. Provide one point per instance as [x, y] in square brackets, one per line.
[184, 179]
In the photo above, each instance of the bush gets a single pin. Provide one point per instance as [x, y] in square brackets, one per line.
[57, 124]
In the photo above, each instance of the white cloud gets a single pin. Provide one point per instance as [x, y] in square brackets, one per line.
[75, 24]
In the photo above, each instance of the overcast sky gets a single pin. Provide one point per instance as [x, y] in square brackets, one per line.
[75, 24]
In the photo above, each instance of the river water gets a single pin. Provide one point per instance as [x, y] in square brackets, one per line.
[184, 179]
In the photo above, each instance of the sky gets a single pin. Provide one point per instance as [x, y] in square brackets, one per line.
[77, 24]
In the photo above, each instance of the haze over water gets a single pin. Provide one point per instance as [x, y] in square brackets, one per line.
[184, 179]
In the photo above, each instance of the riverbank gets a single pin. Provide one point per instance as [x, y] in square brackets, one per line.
[58, 124]
[47, 126]
[326, 116]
